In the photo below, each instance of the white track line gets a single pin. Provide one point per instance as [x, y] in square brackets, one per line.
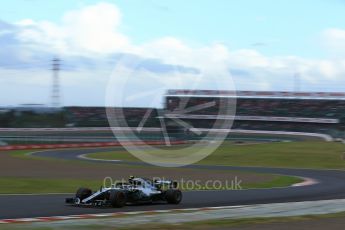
[306, 182]
[84, 157]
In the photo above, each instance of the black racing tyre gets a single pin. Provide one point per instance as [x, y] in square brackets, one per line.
[83, 193]
[173, 196]
[117, 198]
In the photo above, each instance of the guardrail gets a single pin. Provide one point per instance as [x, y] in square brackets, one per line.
[325, 137]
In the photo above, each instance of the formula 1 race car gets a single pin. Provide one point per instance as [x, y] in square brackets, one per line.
[136, 190]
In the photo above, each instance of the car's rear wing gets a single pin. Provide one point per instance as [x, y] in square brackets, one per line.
[170, 183]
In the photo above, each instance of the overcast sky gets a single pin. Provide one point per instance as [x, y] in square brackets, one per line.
[155, 45]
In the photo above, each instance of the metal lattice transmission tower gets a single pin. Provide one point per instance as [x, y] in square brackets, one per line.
[56, 83]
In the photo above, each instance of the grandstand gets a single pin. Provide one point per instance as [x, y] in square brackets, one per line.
[317, 112]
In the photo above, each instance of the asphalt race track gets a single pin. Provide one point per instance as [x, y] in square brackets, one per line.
[331, 186]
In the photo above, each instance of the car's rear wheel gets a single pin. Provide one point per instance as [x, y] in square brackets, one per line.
[83, 193]
[174, 196]
[117, 198]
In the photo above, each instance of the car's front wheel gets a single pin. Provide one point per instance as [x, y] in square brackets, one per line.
[83, 193]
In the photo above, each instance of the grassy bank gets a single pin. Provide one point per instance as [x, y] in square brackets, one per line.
[20, 185]
[309, 154]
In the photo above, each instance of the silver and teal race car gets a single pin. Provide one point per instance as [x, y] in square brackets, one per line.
[136, 190]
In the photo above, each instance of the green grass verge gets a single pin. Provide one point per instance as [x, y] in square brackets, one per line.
[309, 154]
[277, 182]
[36, 185]
[20, 185]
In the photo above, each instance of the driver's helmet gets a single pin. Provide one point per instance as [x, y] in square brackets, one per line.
[130, 179]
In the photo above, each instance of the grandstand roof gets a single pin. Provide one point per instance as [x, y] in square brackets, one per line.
[258, 94]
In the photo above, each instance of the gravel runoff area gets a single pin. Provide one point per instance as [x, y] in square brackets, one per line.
[176, 218]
